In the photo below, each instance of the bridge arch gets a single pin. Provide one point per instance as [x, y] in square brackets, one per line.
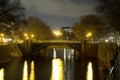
[40, 46]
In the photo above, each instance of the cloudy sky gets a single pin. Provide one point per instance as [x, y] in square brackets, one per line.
[58, 13]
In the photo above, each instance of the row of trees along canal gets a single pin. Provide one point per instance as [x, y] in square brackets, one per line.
[105, 23]
[13, 23]
[11, 15]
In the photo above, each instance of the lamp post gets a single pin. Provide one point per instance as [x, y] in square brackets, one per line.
[1, 35]
[89, 35]
[32, 35]
[29, 37]
[57, 33]
[25, 34]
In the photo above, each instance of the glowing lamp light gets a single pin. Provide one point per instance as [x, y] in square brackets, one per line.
[1, 34]
[57, 33]
[32, 35]
[89, 34]
[106, 40]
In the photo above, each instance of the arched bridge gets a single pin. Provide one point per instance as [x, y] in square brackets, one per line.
[38, 45]
[80, 46]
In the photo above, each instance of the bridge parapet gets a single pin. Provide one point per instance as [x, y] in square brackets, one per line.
[58, 41]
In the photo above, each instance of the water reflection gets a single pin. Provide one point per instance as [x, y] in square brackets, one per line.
[64, 53]
[64, 65]
[2, 74]
[89, 71]
[54, 53]
[57, 69]
[32, 71]
[25, 71]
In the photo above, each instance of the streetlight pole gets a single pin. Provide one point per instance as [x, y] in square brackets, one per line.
[89, 36]
[32, 37]
[1, 35]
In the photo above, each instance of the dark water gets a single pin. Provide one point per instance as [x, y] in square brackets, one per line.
[52, 69]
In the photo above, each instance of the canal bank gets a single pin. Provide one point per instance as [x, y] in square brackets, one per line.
[106, 52]
[102, 51]
[9, 52]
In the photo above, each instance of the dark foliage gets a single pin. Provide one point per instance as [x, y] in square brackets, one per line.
[109, 11]
[11, 14]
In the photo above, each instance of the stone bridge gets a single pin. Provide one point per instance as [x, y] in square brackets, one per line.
[80, 46]
[56, 43]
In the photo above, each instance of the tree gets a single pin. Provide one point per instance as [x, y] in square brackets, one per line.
[88, 23]
[109, 12]
[11, 14]
[38, 28]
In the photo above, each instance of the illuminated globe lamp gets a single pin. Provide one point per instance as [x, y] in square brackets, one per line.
[57, 33]
[89, 35]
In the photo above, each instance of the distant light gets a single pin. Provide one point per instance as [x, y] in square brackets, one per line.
[27, 37]
[89, 34]
[1, 34]
[9, 39]
[106, 40]
[32, 35]
[57, 33]
[25, 34]
[111, 37]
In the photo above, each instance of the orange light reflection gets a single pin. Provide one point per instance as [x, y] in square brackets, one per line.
[57, 69]
[25, 71]
[89, 71]
[2, 74]
[32, 75]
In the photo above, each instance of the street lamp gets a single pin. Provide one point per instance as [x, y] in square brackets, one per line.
[89, 35]
[32, 35]
[25, 34]
[27, 37]
[57, 33]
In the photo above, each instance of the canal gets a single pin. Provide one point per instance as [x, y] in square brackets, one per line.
[58, 64]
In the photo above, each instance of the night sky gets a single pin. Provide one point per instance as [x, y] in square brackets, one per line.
[58, 13]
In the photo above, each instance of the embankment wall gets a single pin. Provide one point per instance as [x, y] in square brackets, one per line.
[7, 52]
[103, 51]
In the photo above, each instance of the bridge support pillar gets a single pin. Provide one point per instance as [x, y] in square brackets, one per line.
[83, 45]
[26, 48]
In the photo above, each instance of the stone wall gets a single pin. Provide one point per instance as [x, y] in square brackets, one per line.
[91, 50]
[9, 51]
[106, 51]
[102, 51]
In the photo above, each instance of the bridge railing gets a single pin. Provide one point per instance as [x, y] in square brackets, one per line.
[58, 41]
